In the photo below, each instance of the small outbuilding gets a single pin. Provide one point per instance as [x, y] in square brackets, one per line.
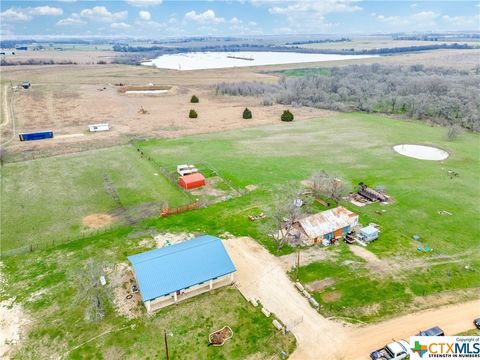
[327, 226]
[185, 169]
[171, 274]
[368, 233]
[192, 181]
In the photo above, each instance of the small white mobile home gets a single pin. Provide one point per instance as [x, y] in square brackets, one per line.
[98, 127]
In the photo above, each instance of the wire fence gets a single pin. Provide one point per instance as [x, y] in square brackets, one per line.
[169, 175]
[46, 244]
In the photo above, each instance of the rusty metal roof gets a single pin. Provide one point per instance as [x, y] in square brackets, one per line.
[325, 222]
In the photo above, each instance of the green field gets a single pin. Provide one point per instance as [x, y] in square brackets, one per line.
[355, 147]
[45, 200]
[304, 72]
[47, 283]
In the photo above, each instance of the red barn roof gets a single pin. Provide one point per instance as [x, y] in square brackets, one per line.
[192, 181]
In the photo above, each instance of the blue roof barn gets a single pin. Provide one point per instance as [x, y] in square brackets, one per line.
[174, 273]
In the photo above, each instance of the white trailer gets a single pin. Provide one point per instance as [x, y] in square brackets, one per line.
[186, 169]
[98, 127]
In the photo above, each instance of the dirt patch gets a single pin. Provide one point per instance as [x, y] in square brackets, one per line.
[147, 243]
[211, 189]
[320, 285]
[121, 280]
[12, 321]
[251, 187]
[312, 254]
[96, 221]
[332, 296]
[12, 326]
[369, 310]
[444, 298]
[167, 239]
[373, 263]
[124, 89]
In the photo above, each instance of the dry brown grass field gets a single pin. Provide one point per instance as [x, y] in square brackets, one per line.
[66, 98]
[366, 44]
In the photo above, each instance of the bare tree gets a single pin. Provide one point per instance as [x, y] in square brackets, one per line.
[444, 96]
[286, 209]
[92, 294]
[453, 132]
[323, 185]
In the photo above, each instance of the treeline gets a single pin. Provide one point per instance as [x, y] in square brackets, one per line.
[4, 62]
[319, 41]
[161, 50]
[439, 95]
[436, 37]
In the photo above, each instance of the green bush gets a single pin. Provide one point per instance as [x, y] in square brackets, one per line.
[194, 99]
[192, 114]
[247, 114]
[287, 116]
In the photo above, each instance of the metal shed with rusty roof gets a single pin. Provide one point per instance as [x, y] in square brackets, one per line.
[328, 225]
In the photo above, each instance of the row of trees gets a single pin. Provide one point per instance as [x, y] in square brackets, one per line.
[438, 95]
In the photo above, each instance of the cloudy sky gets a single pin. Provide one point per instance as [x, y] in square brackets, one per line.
[160, 18]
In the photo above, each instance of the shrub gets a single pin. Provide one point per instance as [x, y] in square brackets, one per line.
[247, 114]
[192, 114]
[287, 116]
[194, 99]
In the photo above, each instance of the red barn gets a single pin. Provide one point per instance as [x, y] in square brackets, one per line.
[192, 181]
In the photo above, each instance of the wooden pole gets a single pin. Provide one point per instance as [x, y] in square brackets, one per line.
[166, 344]
[298, 263]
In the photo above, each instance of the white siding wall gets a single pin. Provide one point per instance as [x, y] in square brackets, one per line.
[184, 294]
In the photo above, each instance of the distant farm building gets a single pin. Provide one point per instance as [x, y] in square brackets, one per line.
[171, 274]
[327, 226]
[192, 181]
[39, 135]
[98, 127]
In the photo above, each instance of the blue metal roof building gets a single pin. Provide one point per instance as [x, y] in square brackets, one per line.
[166, 270]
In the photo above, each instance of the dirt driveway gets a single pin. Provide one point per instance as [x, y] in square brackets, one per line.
[261, 275]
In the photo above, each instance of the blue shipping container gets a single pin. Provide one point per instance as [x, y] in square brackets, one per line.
[36, 135]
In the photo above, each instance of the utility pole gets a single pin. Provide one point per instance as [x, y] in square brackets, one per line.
[298, 263]
[166, 344]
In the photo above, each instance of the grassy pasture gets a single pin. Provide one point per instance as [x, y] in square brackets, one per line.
[355, 147]
[46, 199]
[47, 285]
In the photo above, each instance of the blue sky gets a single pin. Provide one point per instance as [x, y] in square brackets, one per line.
[162, 18]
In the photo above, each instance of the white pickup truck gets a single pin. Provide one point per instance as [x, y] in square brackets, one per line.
[394, 351]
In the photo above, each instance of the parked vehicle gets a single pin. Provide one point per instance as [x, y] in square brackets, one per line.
[434, 331]
[477, 323]
[394, 351]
